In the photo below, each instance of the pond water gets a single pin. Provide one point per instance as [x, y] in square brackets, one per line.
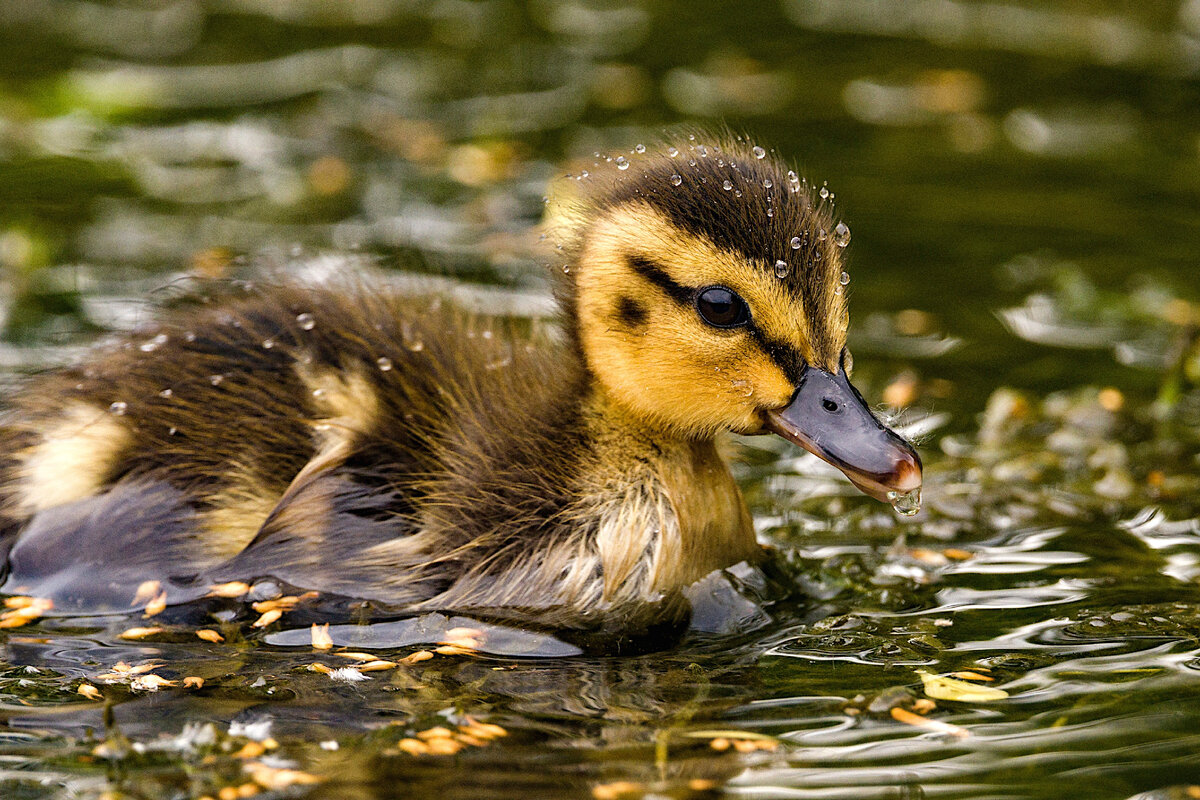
[1022, 182]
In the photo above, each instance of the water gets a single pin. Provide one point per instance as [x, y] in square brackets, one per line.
[1021, 180]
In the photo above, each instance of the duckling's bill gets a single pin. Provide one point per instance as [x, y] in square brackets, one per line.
[829, 418]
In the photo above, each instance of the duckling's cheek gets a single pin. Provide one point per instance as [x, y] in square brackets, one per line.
[772, 389]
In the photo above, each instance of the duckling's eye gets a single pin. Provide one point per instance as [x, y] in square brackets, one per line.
[722, 308]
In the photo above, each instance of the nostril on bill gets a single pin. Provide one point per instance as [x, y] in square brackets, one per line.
[829, 405]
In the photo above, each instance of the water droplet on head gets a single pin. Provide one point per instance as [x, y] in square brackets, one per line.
[841, 234]
[824, 193]
[622, 162]
[844, 278]
[781, 269]
[268, 344]
[171, 431]
[793, 181]
[306, 321]
[545, 200]
[822, 234]
[727, 184]
[584, 174]
[737, 192]
[906, 504]
[702, 151]
[676, 179]
[770, 212]
[639, 148]
[384, 363]
[119, 408]
[318, 393]
[796, 242]
[767, 183]
[758, 152]
[166, 393]
[216, 380]
[720, 162]
[672, 152]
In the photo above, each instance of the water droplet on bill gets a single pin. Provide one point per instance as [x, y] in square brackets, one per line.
[906, 504]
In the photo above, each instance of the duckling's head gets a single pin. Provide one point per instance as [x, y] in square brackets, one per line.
[707, 292]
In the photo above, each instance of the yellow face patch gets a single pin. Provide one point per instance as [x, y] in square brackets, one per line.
[649, 347]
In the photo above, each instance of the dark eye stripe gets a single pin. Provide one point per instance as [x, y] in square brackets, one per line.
[785, 356]
[659, 277]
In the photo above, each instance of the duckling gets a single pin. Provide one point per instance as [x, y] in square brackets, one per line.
[354, 440]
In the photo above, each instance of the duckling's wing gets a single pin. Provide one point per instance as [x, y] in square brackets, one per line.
[69, 553]
[343, 536]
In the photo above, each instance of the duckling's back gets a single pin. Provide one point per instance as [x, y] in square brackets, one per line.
[354, 440]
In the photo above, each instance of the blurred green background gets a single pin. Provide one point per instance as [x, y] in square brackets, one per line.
[1022, 180]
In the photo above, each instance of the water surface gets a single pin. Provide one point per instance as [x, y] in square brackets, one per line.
[1021, 182]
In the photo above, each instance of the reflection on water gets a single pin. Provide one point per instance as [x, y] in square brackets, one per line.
[1021, 179]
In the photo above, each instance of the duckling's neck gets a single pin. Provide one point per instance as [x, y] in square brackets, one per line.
[667, 510]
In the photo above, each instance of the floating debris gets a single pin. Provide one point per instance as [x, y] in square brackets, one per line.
[936, 726]
[157, 605]
[23, 610]
[942, 687]
[320, 637]
[140, 633]
[417, 657]
[268, 617]
[231, 590]
[146, 591]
